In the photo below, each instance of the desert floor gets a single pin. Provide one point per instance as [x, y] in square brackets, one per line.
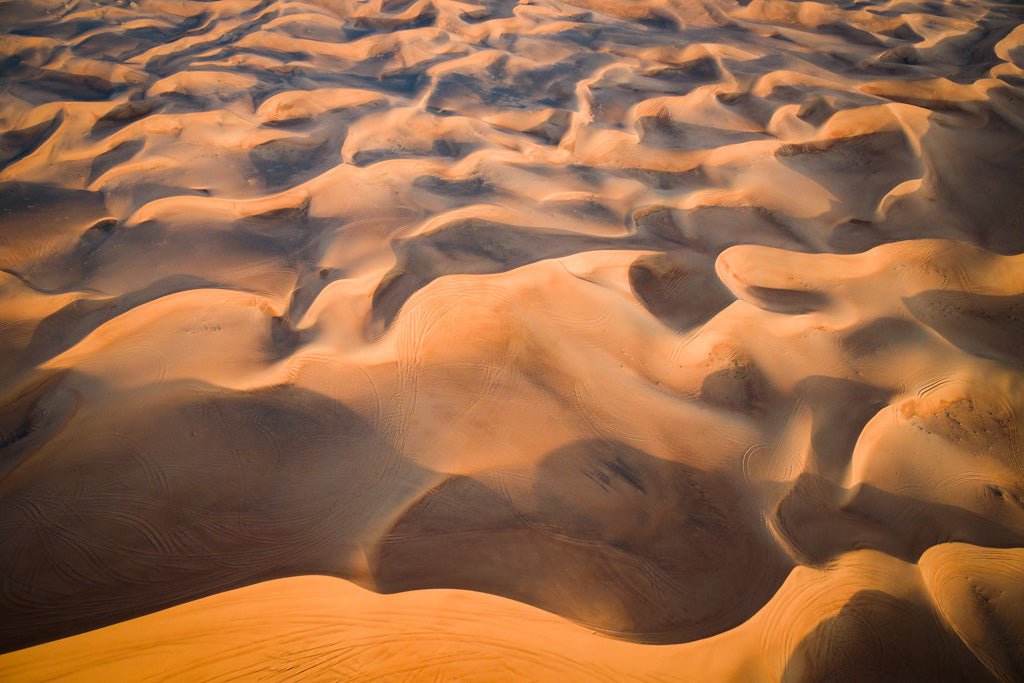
[514, 340]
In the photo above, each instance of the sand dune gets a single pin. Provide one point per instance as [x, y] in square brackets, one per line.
[566, 340]
[291, 628]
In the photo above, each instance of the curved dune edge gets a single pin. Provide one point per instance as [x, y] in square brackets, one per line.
[159, 460]
[318, 628]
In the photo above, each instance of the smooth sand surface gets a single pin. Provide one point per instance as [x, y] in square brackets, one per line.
[830, 624]
[675, 340]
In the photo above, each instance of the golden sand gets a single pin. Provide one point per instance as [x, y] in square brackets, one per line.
[590, 340]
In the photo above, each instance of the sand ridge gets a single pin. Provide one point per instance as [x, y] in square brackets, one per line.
[687, 332]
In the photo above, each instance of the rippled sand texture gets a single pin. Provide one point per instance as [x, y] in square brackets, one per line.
[690, 323]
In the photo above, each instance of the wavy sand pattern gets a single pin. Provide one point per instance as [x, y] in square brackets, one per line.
[679, 340]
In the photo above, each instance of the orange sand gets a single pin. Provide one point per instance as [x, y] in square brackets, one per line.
[586, 340]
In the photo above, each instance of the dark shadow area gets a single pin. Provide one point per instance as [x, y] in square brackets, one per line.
[443, 148]
[476, 247]
[740, 387]
[486, 11]
[475, 187]
[881, 336]
[41, 85]
[716, 228]
[153, 497]
[34, 216]
[840, 409]
[857, 171]
[820, 520]
[122, 260]
[963, 155]
[499, 86]
[288, 162]
[67, 326]
[663, 133]
[880, 637]
[983, 325]
[19, 143]
[30, 414]
[118, 155]
[426, 16]
[600, 532]
[679, 287]
[792, 301]
[661, 282]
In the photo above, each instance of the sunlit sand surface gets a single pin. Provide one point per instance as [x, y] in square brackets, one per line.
[591, 340]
